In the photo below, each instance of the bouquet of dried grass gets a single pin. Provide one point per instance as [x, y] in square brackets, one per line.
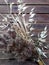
[17, 39]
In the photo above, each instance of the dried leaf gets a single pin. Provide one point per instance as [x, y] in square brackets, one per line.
[20, 1]
[6, 1]
[32, 16]
[31, 20]
[32, 9]
[45, 28]
[24, 8]
[32, 28]
[42, 40]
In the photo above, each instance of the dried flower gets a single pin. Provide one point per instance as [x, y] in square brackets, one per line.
[17, 40]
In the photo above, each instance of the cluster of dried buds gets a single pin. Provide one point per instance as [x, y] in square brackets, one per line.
[16, 39]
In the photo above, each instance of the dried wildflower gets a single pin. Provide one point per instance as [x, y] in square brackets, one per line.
[17, 40]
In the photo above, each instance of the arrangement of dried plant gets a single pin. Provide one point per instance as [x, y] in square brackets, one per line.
[15, 38]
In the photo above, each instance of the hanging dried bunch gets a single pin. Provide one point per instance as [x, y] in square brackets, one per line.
[17, 41]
